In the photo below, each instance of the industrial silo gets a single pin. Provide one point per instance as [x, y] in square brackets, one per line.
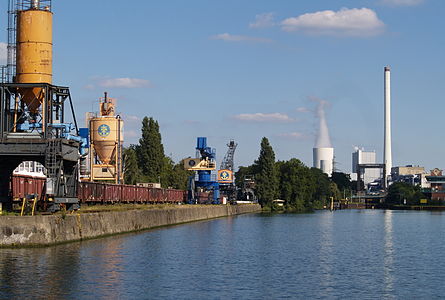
[106, 140]
[34, 52]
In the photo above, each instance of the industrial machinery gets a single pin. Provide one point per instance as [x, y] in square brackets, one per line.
[225, 174]
[33, 123]
[106, 140]
[203, 165]
[247, 193]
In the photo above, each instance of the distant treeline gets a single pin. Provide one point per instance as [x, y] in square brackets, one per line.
[302, 188]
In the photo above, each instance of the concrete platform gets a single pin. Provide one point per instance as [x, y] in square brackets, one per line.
[28, 231]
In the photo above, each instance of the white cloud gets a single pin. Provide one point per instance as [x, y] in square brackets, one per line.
[124, 83]
[3, 53]
[263, 21]
[239, 38]
[303, 109]
[402, 2]
[345, 22]
[260, 117]
[292, 135]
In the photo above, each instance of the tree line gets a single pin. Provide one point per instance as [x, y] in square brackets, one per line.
[147, 162]
[302, 188]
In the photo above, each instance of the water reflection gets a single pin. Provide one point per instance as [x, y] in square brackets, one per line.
[326, 255]
[341, 255]
[48, 272]
[388, 258]
[102, 266]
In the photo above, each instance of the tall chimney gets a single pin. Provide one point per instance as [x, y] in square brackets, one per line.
[387, 156]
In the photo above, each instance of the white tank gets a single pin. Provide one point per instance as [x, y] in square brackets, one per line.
[324, 159]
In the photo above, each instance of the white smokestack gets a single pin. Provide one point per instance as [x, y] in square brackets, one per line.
[323, 153]
[387, 155]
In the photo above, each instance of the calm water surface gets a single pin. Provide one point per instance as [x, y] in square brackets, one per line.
[356, 254]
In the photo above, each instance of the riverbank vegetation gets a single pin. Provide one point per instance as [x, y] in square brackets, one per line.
[401, 193]
[302, 188]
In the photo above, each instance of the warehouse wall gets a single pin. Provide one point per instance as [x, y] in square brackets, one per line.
[53, 229]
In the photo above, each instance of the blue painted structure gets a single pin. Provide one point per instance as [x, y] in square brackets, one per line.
[205, 180]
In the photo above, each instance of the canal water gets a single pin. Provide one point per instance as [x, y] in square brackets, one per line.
[355, 254]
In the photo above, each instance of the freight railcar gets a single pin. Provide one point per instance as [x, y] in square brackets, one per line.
[98, 192]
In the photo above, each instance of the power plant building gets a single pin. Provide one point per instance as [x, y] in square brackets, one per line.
[360, 156]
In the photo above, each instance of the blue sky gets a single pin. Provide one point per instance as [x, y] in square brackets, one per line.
[247, 69]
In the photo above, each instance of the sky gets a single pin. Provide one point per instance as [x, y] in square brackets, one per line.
[246, 69]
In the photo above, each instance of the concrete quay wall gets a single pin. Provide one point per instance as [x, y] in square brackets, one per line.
[45, 230]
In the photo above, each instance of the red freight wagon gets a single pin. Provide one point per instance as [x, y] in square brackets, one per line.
[91, 192]
[97, 192]
[112, 193]
[128, 193]
[204, 198]
[23, 185]
[174, 196]
[142, 194]
[155, 195]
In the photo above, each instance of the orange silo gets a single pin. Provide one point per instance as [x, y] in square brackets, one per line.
[34, 53]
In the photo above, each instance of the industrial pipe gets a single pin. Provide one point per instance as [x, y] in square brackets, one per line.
[35, 4]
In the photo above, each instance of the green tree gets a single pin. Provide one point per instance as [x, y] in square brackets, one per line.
[266, 176]
[131, 169]
[322, 188]
[296, 185]
[342, 180]
[150, 151]
[398, 192]
[178, 176]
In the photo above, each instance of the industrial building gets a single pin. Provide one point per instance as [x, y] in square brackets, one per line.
[360, 156]
[414, 175]
[436, 179]
[32, 168]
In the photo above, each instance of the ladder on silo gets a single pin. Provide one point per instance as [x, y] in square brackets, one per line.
[52, 165]
[51, 158]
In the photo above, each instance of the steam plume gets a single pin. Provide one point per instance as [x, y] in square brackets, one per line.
[323, 140]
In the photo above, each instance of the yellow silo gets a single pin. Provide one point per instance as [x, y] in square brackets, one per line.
[106, 134]
[34, 53]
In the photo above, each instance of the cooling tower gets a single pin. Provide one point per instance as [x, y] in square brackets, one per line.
[324, 159]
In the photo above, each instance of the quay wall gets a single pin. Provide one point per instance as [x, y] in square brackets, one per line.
[45, 230]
